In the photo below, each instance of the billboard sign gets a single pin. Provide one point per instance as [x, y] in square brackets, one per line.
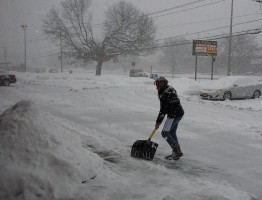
[204, 48]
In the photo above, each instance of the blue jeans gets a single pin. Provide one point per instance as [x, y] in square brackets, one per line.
[169, 132]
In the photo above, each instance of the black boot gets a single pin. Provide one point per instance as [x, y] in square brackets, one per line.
[177, 153]
[180, 153]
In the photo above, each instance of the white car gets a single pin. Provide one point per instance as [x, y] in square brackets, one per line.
[137, 73]
[233, 87]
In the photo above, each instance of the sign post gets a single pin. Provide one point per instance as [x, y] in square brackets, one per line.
[133, 64]
[196, 69]
[212, 69]
[204, 48]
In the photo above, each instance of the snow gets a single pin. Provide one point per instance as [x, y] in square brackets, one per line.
[229, 81]
[36, 160]
[69, 136]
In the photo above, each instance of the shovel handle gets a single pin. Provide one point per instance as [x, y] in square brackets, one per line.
[152, 134]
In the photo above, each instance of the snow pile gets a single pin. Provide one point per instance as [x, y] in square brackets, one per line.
[230, 81]
[40, 158]
[186, 86]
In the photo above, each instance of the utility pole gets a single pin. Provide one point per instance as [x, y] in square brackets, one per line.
[24, 26]
[230, 42]
[61, 54]
[212, 68]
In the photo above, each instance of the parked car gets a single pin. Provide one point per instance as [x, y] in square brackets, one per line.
[6, 79]
[233, 87]
[154, 76]
[137, 73]
[52, 71]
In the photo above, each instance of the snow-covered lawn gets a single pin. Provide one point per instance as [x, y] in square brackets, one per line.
[69, 136]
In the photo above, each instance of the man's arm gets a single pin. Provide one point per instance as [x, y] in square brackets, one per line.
[160, 117]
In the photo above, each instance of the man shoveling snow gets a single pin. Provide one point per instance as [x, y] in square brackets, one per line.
[170, 105]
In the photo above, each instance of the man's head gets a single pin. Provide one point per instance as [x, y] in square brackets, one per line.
[160, 83]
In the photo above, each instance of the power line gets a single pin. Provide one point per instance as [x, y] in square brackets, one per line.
[173, 8]
[179, 43]
[42, 54]
[211, 20]
[189, 23]
[182, 24]
[221, 36]
[183, 5]
[27, 41]
[188, 9]
[176, 7]
[217, 28]
[45, 55]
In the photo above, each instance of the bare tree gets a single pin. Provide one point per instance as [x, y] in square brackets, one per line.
[127, 31]
[178, 53]
[244, 47]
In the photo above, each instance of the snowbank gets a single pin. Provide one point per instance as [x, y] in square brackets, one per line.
[40, 158]
[185, 86]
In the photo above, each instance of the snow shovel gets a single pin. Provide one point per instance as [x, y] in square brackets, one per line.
[145, 149]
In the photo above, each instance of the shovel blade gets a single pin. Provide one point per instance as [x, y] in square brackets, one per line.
[144, 149]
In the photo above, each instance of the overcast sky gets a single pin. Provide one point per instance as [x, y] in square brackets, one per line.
[193, 20]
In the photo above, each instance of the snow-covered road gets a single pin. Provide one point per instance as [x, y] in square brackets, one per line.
[221, 141]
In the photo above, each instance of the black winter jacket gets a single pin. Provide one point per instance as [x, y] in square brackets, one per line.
[169, 104]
